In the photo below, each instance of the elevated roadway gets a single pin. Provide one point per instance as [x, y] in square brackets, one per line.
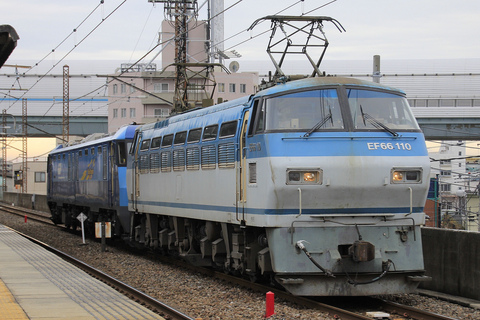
[450, 128]
[49, 126]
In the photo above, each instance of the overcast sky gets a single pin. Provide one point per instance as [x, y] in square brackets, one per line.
[394, 29]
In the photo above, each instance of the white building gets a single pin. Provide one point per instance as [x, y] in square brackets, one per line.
[455, 184]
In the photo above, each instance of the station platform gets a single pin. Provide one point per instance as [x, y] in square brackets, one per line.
[36, 284]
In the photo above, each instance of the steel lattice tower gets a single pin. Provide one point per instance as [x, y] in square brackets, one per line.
[4, 150]
[181, 11]
[24, 145]
[66, 106]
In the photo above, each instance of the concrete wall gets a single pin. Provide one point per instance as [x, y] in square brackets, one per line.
[24, 200]
[452, 259]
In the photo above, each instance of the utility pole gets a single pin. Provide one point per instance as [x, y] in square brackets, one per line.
[181, 11]
[66, 105]
[4, 150]
[24, 146]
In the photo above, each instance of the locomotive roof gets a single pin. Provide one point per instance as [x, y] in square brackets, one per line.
[122, 133]
[323, 81]
[279, 88]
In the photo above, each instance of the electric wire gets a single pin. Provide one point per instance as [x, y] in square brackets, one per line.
[70, 51]
[99, 88]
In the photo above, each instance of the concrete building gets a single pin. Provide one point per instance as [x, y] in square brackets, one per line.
[36, 176]
[458, 188]
[143, 94]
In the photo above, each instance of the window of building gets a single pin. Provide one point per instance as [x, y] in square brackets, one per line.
[464, 103]
[39, 176]
[447, 103]
[133, 112]
[420, 103]
[115, 89]
[160, 87]
[459, 153]
[445, 187]
[231, 87]
[243, 88]
[123, 88]
[221, 87]
[115, 113]
[446, 173]
[124, 112]
[161, 112]
[132, 87]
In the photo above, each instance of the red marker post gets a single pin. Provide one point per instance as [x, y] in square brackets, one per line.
[270, 304]
[25, 218]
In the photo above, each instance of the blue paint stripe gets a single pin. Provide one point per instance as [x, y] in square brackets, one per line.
[334, 144]
[258, 211]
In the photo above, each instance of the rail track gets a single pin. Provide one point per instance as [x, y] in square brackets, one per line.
[343, 311]
[400, 312]
[134, 294]
[28, 214]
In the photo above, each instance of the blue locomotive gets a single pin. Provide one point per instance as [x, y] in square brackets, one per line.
[317, 184]
[89, 178]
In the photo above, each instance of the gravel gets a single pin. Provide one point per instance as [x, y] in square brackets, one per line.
[195, 294]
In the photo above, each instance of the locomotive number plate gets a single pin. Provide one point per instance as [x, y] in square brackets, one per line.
[389, 146]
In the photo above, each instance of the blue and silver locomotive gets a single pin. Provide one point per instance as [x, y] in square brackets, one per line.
[317, 183]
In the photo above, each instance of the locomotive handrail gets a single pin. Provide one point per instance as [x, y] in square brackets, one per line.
[411, 201]
[299, 203]
[342, 215]
[413, 225]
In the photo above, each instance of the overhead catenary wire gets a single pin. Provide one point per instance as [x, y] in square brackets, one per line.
[70, 51]
[99, 88]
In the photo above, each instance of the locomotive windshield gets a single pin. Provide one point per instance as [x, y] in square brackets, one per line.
[302, 111]
[370, 109]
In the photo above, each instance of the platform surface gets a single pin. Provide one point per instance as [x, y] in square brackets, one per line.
[36, 284]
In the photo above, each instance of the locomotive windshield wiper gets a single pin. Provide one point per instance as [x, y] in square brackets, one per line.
[377, 124]
[320, 123]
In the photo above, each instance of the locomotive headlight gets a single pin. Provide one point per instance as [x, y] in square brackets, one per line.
[406, 175]
[309, 176]
[397, 176]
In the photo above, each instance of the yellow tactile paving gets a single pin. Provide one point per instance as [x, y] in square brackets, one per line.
[10, 308]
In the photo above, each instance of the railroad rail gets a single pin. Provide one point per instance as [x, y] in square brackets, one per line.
[39, 216]
[409, 312]
[400, 311]
[136, 295]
